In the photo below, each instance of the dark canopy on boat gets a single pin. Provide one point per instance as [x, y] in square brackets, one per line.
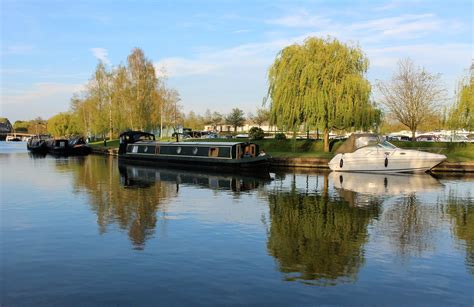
[358, 140]
[134, 136]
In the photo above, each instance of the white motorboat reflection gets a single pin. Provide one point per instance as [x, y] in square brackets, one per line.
[371, 153]
[384, 184]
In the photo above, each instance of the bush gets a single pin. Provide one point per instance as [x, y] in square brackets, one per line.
[280, 136]
[256, 133]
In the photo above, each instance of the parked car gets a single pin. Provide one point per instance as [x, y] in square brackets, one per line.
[242, 136]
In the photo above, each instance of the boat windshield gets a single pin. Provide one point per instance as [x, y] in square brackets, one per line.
[386, 145]
[370, 140]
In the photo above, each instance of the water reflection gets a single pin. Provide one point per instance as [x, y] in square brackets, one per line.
[137, 203]
[317, 238]
[134, 210]
[136, 176]
[461, 212]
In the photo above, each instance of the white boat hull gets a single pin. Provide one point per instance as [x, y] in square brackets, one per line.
[376, 160]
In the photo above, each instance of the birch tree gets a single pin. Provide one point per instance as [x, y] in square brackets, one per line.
[412, 95]
[320, 84]
[143, 84]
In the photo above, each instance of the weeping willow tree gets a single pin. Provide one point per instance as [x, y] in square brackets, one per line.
[462, 113]
[320, 84]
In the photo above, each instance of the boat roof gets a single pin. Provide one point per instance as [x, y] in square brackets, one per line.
[358, 140]
[193, 143]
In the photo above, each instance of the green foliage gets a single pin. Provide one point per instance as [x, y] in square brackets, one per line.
[126, 97]
[235, 118]
[462, 113]
[21, 126]
[63, 124]
[280, 136]
[320, 84]
[256, 133]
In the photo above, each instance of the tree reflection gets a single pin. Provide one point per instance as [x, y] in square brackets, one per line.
[315, 238]
[461, 211]
[134, 210]
[409, 225]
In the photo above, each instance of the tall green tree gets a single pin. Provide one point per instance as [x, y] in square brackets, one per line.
[320, 84]
[235, 118]
[462, 113]
[143, 83]
[63, 124]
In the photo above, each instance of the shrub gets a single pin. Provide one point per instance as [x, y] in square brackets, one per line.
[256, 133]
[280, 136]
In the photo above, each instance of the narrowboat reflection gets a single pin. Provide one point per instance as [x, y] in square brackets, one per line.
[137, 176]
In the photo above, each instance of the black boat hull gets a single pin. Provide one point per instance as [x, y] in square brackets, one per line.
[250, 165]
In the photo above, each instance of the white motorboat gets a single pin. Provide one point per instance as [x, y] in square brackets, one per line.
[372, 153]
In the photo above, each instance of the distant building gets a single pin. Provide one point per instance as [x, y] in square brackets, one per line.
[245, 128]
[5, 125]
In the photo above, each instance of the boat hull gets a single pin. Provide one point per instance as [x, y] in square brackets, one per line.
[386, 162]
[245, 165]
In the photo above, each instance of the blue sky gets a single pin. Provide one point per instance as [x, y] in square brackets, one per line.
[215, 53]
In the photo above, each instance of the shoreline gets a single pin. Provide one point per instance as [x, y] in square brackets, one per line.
[322, 164]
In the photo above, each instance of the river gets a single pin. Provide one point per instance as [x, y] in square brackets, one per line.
[87, 231]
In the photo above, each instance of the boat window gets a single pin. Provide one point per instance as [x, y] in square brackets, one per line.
[195, 150]
[386, 145]
[224, 152]
[213, 152]
[366, 141]
[178, 150]
[135, 149]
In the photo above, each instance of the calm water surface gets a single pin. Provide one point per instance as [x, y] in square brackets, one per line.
[78, 231]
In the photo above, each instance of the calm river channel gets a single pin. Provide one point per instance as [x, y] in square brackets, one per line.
[88, 231]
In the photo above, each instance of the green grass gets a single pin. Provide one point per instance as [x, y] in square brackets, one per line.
[456, 152]
[100, 144]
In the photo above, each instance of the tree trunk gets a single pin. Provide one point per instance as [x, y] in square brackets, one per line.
[413, 136]
[326, 139]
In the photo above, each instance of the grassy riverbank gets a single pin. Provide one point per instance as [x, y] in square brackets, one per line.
[456, 152]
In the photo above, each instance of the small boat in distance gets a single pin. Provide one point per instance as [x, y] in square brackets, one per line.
[12, 138]
[141, 147]
[37, 143]
[57, 146]
[74, 146]
[372, 153]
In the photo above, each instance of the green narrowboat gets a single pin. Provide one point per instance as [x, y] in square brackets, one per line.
[141, 147]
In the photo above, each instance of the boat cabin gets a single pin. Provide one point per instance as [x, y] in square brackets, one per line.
[217, 150]
[135, 143]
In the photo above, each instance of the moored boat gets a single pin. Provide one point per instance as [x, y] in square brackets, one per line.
[37, 143]
[77, 146]
[372, 153]
[57, 146]
[141, 147]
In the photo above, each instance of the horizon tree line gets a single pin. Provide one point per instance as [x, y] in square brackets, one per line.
[320, 84]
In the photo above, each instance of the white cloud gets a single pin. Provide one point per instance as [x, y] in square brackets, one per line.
[300, 19]
[101, 54]
[184, 67]
[408, 25]
[41, 99]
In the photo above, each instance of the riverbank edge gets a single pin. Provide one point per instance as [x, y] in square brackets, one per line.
[320, 163]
